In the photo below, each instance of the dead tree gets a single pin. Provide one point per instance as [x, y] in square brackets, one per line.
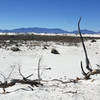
[91, 71]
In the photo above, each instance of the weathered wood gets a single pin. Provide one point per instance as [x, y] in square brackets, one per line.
[91, 71]
[21, 81]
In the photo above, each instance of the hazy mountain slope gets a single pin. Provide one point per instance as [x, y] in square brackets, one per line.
[46, 30]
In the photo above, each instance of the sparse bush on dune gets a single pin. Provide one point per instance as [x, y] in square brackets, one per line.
[15, 49]
[54, 51]
[44, 47]
[93, 40]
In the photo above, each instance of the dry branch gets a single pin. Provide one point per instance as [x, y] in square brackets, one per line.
[91, 71]
[82, 40]
[13, 82]
[39, 78]
[11, 72]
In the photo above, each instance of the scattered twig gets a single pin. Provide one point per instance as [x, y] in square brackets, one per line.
[72, 92]
[98, 65]
[16, 90]
[11, 72]
[20, 72]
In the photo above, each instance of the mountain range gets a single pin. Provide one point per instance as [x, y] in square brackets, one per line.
[46, 30]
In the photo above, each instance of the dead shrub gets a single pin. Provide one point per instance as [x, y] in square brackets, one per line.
[54, 51]
[93, 40]
[15, 49]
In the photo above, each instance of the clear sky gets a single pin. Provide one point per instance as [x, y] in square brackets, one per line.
[62, 14]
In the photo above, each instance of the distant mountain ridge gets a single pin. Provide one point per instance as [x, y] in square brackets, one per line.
[85, 31]
[36, 30]
[46, 30]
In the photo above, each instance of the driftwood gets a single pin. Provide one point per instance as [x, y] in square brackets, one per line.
[21, 81]
[24, 80]
[91, 71]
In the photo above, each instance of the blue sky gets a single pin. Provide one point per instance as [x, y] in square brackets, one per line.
[62, 14]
